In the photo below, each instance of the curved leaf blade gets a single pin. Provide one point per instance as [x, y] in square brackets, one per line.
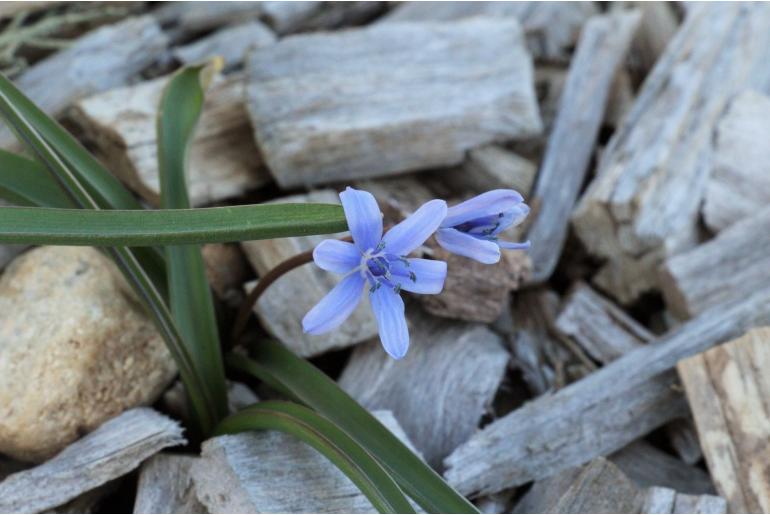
[102, 186]
[297, 378]
[25, 182]
[124, 258]
[190, 297]
[339, 448]
[105, 228]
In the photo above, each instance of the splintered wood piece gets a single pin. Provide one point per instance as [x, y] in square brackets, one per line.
[551, 27]
[295, 293]
[643, 205]
[599, 326]
[493, 167]
[231, 43]
[740, 173]
[648, 466]
[683, 438]
[224, 161]
[657, 28]
[105, 58]
[165, 485]
[622, 401]
[665, 500]
[599, 487]
[189, 18]
[115, 448]
[537, 351]
[272, 472]
[728, 387]
[473, 291]
[603, 43]
[440, 390]
[729, 267]
[387, 99]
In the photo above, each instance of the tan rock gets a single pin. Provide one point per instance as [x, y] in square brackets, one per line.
[75, 350]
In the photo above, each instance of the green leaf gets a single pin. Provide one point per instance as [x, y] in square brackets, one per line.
[125, 259]
[279, 368]
[44, 226]
[102, 186]
[189, 294]
[25, 182]
[344, 452]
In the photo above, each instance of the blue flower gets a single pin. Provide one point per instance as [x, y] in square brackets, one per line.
[471, 228]
[378, 263]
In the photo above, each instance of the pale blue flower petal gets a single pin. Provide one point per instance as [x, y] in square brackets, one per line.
[389, 310]
[364, 218]
[412, 232]
[462, 244]
[339, 257]
[336, 306]
[487, 204]
[510, 245]
[420, 275]
[512, 218]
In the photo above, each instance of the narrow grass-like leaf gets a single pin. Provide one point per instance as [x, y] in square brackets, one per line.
[124, 258]
[328, 439]
[106, 228]
[102, 186]
[25, 182]
[293, 376]
[189, 294]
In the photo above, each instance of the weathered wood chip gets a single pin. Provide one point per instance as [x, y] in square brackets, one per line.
[599, 487]
[730, 267]
[231, 43]
[739, 184]
[665, 500]
[643, 205]
[189, 18]
[648, 466]
[603, 44]
[440, 390]
[727, 387]
[599, 326]
[473, 291]
[621, 402]
[272, 472]
[493, 167]
[224, 162]
[289, 299]
[114, 449]
[165, 485]
[103, 59]
[551, 27]
[388, 98]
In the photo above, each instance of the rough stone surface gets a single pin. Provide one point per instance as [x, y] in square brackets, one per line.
[75, 350]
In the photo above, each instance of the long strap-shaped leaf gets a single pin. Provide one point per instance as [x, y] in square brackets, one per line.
[25, 182]
[189, 293]
[106, 228]
[277, 366]
[344, 452]
[101, 185]
[124, 257]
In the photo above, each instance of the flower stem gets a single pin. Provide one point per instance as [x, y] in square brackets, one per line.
[247, 306]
